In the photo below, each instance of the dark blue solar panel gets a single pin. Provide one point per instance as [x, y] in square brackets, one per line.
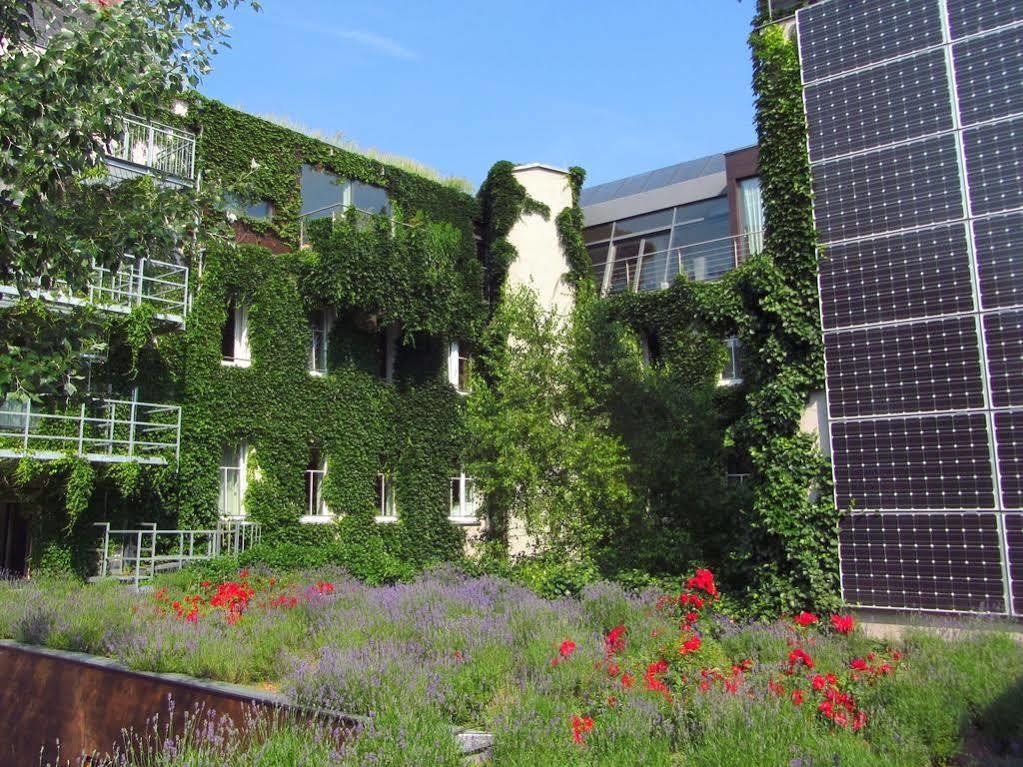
[1014, 541]
[967, 17]
[882, 105]
[895, 188]
[989, 76]
[999, 249]
[1009, 430]
[1004, 334]
[914, 274]
[838, 36]
[922, 561]
[994, 162]
[922, 462]
[921, 367]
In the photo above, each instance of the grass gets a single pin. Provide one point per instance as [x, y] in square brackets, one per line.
[485, 653]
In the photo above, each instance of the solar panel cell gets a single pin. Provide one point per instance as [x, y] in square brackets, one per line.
[899, 277]
[1014, 539]
[968, 17]
[1009, 431]
[921, 367]
[989, 75]
[1004, 334]
[994, 163]
[999, 249]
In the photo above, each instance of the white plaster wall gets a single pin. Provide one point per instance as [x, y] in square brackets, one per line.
[541, 263]
[815, 421]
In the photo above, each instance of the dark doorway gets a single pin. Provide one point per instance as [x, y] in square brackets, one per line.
[13, 539]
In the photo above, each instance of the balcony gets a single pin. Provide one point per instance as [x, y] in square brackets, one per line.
[152, 149]
[701, 261]
[136, 281]
[99, 430]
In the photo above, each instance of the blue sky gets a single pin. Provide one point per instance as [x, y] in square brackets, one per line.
[618, 88]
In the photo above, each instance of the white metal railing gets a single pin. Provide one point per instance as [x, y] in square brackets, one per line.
[737, 478]
[139, 554]
[314, 492]
[102, 430]
[161, 148]
[134, 282]
[699, 261]
[337, 210]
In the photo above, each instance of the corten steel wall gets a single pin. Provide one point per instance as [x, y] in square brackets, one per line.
[86, 702]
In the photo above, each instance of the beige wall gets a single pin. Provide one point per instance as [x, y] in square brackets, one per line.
[541, 263]
[815, 421]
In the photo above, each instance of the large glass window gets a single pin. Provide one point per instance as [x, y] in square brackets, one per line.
[752, 215]
[324, 193]
[645, 223]
[233, 466]
[702, 241]
[260, 209]
[371, 199]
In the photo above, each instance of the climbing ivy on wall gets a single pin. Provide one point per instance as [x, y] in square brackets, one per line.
[570, 231]
[780, 544]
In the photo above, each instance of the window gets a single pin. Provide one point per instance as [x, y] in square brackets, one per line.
[324, 192]
[316, 509]
[387, 511]
[320, 323]
[234, 342]
[650, 346]
[259, 209]
[459, 367]
[464, 503]
[13, 414]
[733, 363]
[233, 467]
[387, 344]
[752, 216]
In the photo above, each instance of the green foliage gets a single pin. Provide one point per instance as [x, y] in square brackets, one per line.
[502, 202]
[570, 231]
[64, 86]
[540, 453]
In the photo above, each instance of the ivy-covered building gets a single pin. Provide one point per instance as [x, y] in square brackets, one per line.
[310, 367]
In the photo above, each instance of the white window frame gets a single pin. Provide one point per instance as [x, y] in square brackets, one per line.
[468, 501]
[242, 470]
[733, 346]
[324, 326]
[455, 360]
[317, 511]
[242, 351]
[388, 509]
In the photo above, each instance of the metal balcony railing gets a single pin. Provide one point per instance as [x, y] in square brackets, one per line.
[139, 554]
[136, 281]
[151, 147]
[101, 430]
[699, 261]
[339, 210]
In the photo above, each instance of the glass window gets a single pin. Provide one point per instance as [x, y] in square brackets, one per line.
[645, 223]
[463, 499]
[597, 233]
[387, 510]
[701, 222]
[260, 209]
[369, 198]
[459, 366]
[623, 270]
[233, 467]
[320, 324]
[732, 373]
[752, 215]
[13, 414]
[314, 476]
[234, 341]
[320, 189]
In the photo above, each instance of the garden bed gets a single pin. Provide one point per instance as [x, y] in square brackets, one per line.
[608, 678]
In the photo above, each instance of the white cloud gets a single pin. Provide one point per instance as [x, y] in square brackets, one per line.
[385, 45]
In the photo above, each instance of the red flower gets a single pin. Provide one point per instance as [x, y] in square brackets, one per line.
[797, 697]
[627, 681]
[615, 641]
[843, 624]
[581, 726]
[703, 580]
[567, 648]
[819, 682]
[205, 584]
[858, 664]
[690, 645]
[798, 656]
[805, 619]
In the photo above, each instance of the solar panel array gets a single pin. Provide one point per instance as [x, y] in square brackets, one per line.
[915, 119]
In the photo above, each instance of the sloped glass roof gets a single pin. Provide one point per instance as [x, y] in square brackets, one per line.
[653, 179]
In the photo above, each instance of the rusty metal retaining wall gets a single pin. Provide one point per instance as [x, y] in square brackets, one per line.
[85, 702]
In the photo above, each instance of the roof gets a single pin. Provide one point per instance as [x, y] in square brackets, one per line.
[654, 179]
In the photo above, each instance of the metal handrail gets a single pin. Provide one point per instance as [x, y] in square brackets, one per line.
[149, 144]
[341, 208]
[102, 438]
[139, 559]
[701, 261]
